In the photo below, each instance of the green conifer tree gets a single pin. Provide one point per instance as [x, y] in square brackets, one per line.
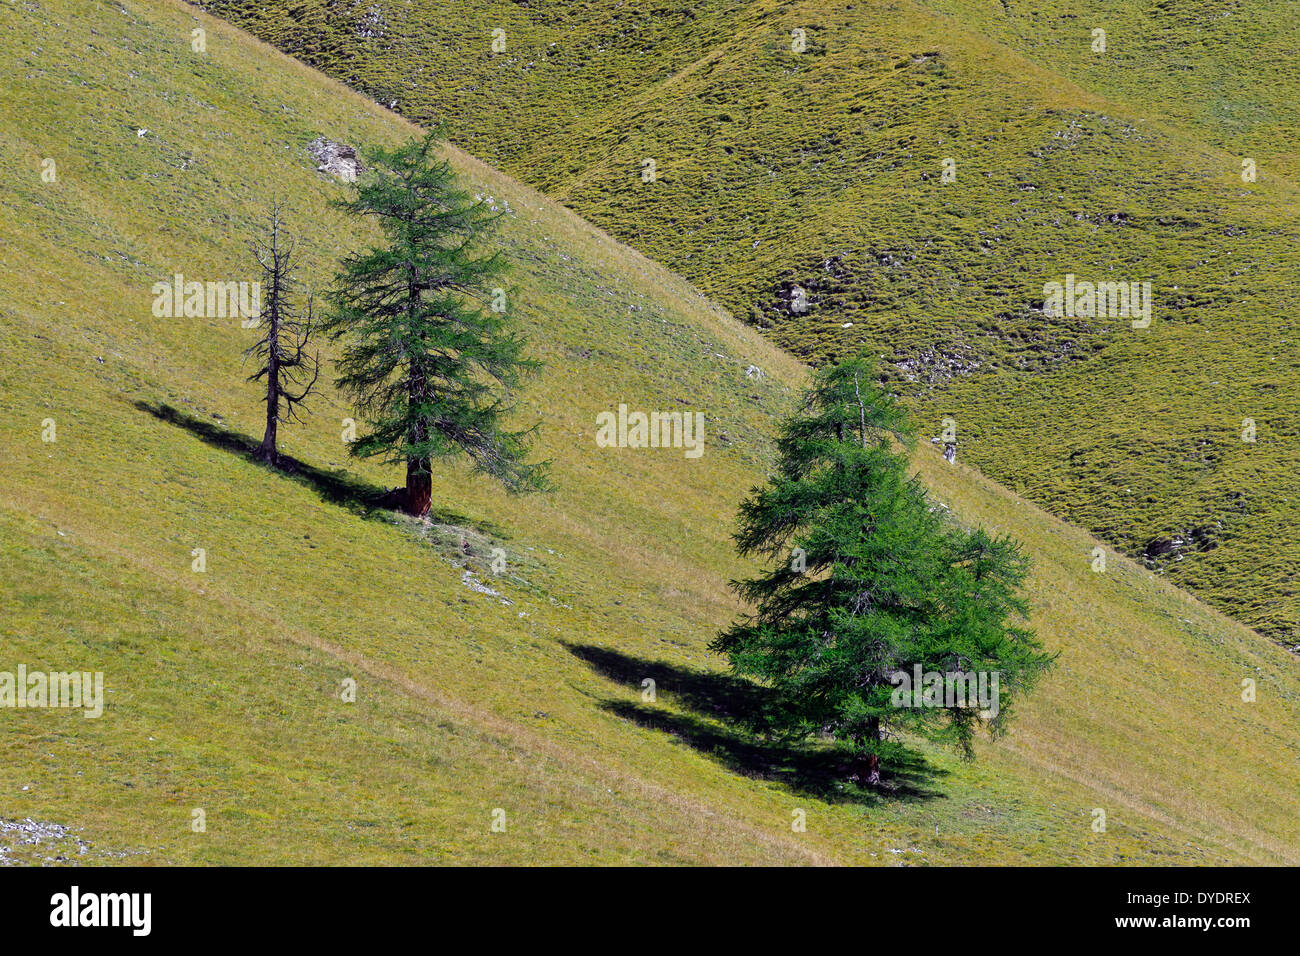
[430, 358]
[871, 582]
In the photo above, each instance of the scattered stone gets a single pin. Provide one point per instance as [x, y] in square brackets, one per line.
[58, 838]
[337, 159]
[470, 580]
[1197, 538]
[371, 26]
[503, 206]
[934, 365]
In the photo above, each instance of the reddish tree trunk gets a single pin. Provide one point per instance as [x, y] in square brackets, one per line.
[873, 770]
[866, 767]
[419, 476]
[419, 488]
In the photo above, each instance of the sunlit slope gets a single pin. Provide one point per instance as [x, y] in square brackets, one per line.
[1224, 69]
[823, 170]
[224, 686]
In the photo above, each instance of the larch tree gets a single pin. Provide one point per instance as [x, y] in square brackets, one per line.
[871, 585]
[430, 357]
[286, 329]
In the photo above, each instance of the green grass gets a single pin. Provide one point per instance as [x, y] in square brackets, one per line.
[822, 170]
[224, 687]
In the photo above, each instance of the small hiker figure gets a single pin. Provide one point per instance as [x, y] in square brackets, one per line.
[950, 452]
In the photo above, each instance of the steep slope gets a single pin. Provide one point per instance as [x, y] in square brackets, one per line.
[822, 170]
[224, 686]
[1222, 69]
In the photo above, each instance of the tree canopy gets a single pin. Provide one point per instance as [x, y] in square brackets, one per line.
[870, 581]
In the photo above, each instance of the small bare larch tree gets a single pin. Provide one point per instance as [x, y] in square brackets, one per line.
[286, 330]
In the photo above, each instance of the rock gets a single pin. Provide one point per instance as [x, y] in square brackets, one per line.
[337, 159]
[1159, 547]
[1198, 538]
[371, 26]
[470, 580]
[35, 833]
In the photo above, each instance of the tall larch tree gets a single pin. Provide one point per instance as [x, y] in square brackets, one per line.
[429, 362]
[869, 581]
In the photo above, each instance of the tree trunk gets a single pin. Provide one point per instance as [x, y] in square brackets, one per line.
[419, 476]
[873, 770]
[419, 488]
[866, 767]
[266, 451]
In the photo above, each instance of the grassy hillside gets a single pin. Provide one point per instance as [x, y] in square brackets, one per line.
[822, 170]
[1221, 69]
[224, 686]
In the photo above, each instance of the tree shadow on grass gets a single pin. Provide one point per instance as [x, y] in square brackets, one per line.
[731, 721]
[336, 487]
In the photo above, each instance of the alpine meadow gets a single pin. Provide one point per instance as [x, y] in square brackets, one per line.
[907, 178]
[623, 434]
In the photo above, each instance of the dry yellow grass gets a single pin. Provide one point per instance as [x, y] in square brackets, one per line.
[225, 686]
